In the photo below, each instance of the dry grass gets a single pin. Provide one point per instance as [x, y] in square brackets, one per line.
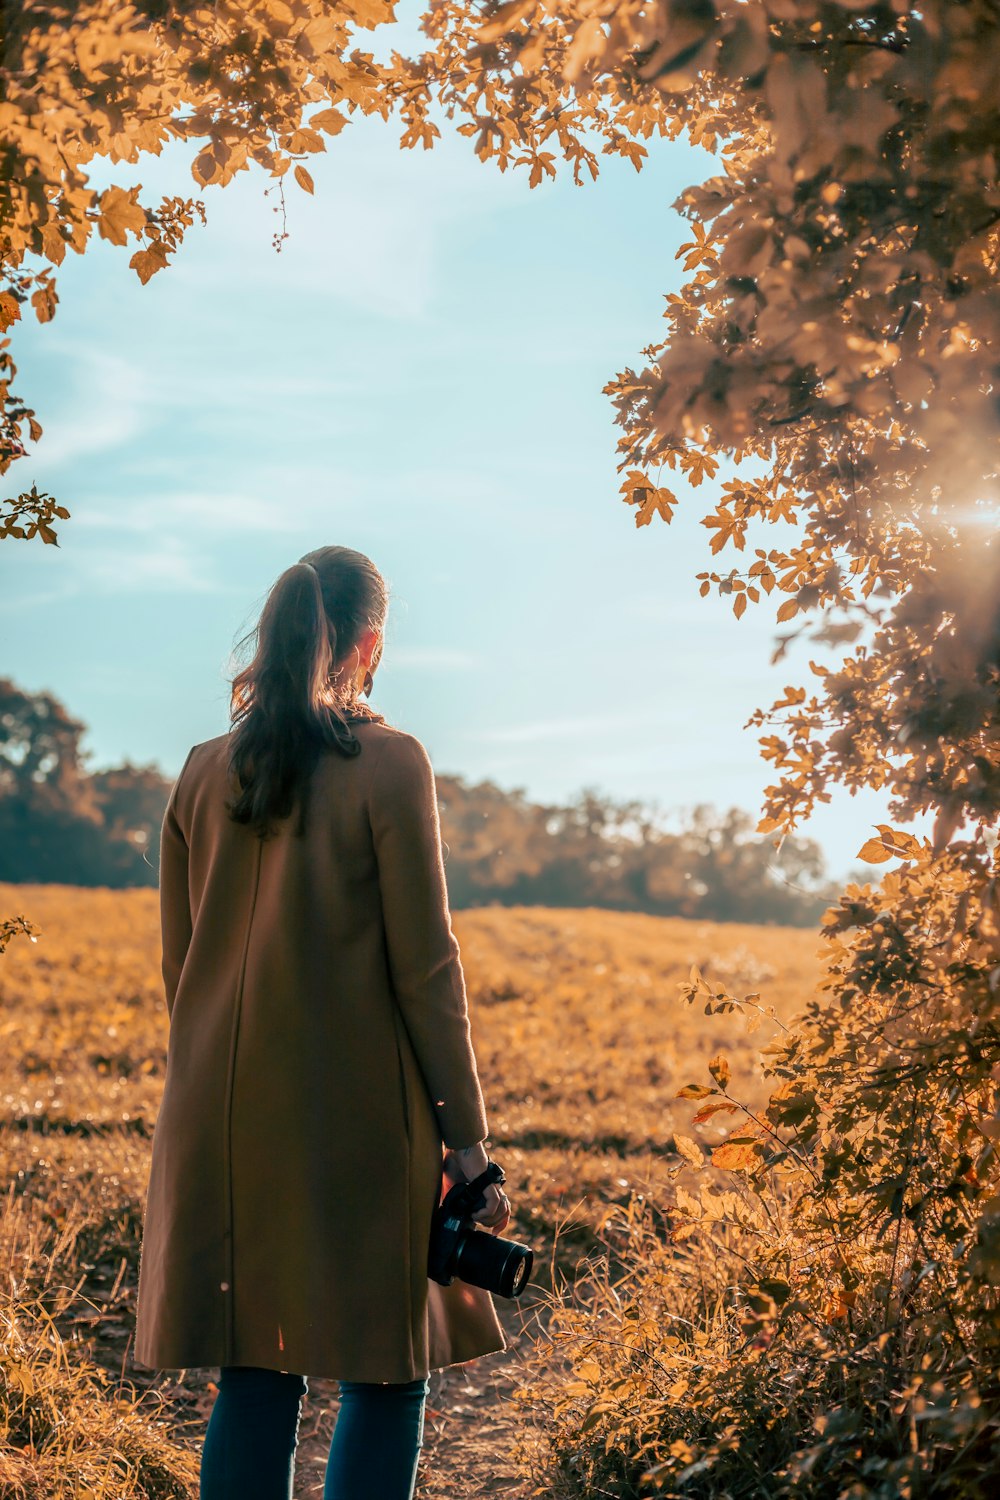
[582, 1042]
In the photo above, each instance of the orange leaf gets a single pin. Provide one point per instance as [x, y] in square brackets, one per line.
[689, 1149]
[147, 262]
[10, 310]
[120, 214]
[329, 120]
[708, 1110]
[719, 1069]
[874, 852]
[736, 1156]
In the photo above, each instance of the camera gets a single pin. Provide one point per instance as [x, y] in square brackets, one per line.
[460, 1248]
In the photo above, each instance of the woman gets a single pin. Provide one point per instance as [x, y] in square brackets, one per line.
[321, 1087]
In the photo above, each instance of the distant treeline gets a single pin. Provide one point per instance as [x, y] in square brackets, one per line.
[62, 823]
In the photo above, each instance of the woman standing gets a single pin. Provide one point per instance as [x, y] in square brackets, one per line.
[321, 1087]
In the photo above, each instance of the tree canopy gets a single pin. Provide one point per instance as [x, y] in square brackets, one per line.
[62, 822]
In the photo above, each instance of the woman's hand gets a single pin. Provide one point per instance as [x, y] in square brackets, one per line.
[463, 1164]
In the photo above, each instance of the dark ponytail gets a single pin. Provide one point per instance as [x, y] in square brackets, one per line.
[285, 706]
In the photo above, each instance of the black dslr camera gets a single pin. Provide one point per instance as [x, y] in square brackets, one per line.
[460, 1248]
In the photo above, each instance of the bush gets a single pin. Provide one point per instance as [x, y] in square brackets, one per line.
[818, 1314]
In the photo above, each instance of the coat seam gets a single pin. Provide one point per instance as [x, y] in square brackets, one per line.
[227, 1169]
[398, 1021]
[408, 1184]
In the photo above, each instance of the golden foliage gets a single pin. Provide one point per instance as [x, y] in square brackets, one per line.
[12, 927]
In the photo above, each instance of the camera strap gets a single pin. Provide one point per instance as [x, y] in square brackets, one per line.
[494, 1173]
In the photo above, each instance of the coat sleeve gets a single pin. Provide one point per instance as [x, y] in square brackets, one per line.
[424, 961]
[175, 902]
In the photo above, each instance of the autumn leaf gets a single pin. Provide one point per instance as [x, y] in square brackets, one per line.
[204, 167]
[719, 1069]
[44, 301]
[331, 121]
[689, 1149]
[10, 310]
[901, 842]
[321, 34]
[708, 1110]
[651, 499]
[303, 178]
[697, 464]
[683, 1230]
[727, 528]
[736, 1155]
[53, 243]
[504, 18]
[120, 214]
[304, 140]
[148, 261]
[891, 843]
[694, 1091]
[874, 852]
[660, 502]
[542, 162]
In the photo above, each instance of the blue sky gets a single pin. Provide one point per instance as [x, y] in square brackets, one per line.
[418, 375]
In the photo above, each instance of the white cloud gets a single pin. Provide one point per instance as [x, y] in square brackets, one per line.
[108, 407]
[156, 514]
[166, 565]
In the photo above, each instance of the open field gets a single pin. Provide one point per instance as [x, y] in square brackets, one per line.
[582, 1041]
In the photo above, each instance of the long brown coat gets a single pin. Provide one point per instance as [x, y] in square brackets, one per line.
[319, 1055]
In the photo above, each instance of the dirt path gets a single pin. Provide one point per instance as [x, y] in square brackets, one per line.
[469, 1428]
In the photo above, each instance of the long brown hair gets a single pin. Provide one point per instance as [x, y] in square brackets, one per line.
[285, 709]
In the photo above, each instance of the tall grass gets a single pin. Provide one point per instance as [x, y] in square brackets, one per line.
[66, 1427]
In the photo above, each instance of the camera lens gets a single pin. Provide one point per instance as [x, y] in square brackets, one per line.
[522, 1270]
[501, 1266]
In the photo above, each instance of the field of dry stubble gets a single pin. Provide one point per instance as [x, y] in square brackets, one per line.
[583, 1042]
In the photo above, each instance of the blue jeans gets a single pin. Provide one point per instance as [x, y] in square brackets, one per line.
[249, 1448]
